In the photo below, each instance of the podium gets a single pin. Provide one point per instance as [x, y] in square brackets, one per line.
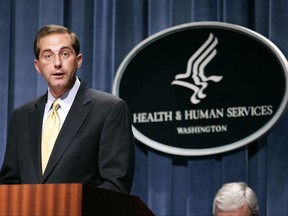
[67, 200]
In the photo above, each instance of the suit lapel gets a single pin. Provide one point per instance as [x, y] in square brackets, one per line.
[74, 120]
[35, 128]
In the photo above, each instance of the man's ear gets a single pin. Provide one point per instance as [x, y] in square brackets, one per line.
[79, 60]
[36, 65]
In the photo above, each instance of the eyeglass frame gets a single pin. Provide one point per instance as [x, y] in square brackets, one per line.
[53, 55]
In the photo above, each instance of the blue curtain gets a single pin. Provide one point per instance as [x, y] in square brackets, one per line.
[108, 30]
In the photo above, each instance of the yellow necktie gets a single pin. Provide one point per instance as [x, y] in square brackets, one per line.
[49, 134]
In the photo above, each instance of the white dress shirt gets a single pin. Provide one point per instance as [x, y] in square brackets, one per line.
[65, 103]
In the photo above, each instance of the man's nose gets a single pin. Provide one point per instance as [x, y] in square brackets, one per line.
[57, 60]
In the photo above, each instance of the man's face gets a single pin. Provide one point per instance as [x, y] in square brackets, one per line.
[243, 211]
[59, 72]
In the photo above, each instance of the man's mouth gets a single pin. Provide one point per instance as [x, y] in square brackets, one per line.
[58, 74]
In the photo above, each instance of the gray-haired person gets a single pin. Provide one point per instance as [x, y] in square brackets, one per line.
[235, 198]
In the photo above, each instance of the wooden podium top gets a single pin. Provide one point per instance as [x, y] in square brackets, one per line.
[67, 199]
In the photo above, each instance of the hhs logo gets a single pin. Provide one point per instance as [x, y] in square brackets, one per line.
[168, 122]
[196, 70]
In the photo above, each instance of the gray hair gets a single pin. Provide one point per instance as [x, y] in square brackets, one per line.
[232, 196]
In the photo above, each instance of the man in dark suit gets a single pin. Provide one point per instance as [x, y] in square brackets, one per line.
[95, 144]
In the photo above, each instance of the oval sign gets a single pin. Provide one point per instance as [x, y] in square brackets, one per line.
[203, 88]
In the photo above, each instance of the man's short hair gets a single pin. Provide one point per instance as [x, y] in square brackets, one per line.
[55, 29]
[232, 196]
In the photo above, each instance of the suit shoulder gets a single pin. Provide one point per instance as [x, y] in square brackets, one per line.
[30, 104]
[104, 96]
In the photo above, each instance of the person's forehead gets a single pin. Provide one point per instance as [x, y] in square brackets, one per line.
[242, 211]
[55, 40]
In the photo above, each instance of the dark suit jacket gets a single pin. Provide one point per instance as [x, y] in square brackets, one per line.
[95, 144]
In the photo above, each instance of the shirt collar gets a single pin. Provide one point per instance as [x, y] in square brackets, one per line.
[66, 100]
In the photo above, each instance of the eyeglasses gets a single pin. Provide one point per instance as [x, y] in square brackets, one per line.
[50, 56]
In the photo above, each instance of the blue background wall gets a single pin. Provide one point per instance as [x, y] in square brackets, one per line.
[108, 30]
